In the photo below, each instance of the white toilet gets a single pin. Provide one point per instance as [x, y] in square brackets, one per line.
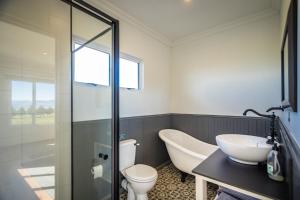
[139, 178]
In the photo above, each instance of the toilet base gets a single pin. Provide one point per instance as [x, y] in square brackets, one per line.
[130, 193]
[127, 187]
[141, 197]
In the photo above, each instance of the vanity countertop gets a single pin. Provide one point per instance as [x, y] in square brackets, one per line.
[220, 167]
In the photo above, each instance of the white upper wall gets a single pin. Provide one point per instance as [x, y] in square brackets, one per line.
[223, 73]
[154, 97]
[91, 103]
[229, 71]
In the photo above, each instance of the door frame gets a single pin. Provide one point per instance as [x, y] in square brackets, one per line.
[114, 23]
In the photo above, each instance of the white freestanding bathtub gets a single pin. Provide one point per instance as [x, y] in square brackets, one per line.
[185, 151]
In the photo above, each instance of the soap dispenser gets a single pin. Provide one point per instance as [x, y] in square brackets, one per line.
[273, 164]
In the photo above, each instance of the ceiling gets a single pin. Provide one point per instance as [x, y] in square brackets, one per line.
[176, 19]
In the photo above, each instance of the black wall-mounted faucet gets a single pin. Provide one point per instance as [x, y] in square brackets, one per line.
[281, 108]
[272, 124]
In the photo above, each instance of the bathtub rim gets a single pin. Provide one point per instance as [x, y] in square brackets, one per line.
[181, 148]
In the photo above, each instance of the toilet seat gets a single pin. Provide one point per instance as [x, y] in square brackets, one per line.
[141, 173]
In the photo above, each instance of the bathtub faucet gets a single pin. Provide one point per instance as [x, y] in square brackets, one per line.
[273, 117]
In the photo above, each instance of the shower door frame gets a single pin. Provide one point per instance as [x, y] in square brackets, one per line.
[114, 23]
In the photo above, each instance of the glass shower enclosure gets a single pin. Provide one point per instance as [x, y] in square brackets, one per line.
[59, 62]
[94, 106]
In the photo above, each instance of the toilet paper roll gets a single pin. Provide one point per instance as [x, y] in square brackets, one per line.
[97, 171]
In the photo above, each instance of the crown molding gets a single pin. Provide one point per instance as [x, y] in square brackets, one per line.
[223, 27]
[119, 14]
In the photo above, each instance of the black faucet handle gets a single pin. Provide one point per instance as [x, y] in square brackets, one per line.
[275, 108]
[259, 114]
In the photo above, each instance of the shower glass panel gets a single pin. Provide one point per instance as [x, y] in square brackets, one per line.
[35, 106]
[92, 107]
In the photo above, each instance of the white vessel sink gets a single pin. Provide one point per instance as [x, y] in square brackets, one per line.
[244, 149]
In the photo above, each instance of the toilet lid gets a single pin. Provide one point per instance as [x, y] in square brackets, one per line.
[141, 173]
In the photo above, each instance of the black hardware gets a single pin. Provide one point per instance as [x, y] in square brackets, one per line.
[104, 156]
[183, 176]
[276, 108]
[272, 123]
[257, 113]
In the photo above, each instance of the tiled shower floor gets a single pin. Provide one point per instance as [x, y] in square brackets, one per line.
[169, 186]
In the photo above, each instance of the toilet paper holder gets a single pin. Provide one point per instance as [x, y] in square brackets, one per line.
[103, 156]
[97, 171]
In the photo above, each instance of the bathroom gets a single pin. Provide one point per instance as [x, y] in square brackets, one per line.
[192, 66]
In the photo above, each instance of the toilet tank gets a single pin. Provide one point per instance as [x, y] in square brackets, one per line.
[127, 153]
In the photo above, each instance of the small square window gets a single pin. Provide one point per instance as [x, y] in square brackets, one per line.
[91, 66]
[129, 74]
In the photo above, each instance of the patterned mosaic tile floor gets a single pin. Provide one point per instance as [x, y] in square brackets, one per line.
[169, 186]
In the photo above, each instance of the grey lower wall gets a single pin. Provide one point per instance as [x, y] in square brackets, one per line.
[93, 137]
[145, 130]
[207, 127]
[89, 139]
[152, 150]
[291, 161]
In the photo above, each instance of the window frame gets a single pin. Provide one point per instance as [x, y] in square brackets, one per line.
[140, 70]
[102, 48]
[97, 47]
[34, 98]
